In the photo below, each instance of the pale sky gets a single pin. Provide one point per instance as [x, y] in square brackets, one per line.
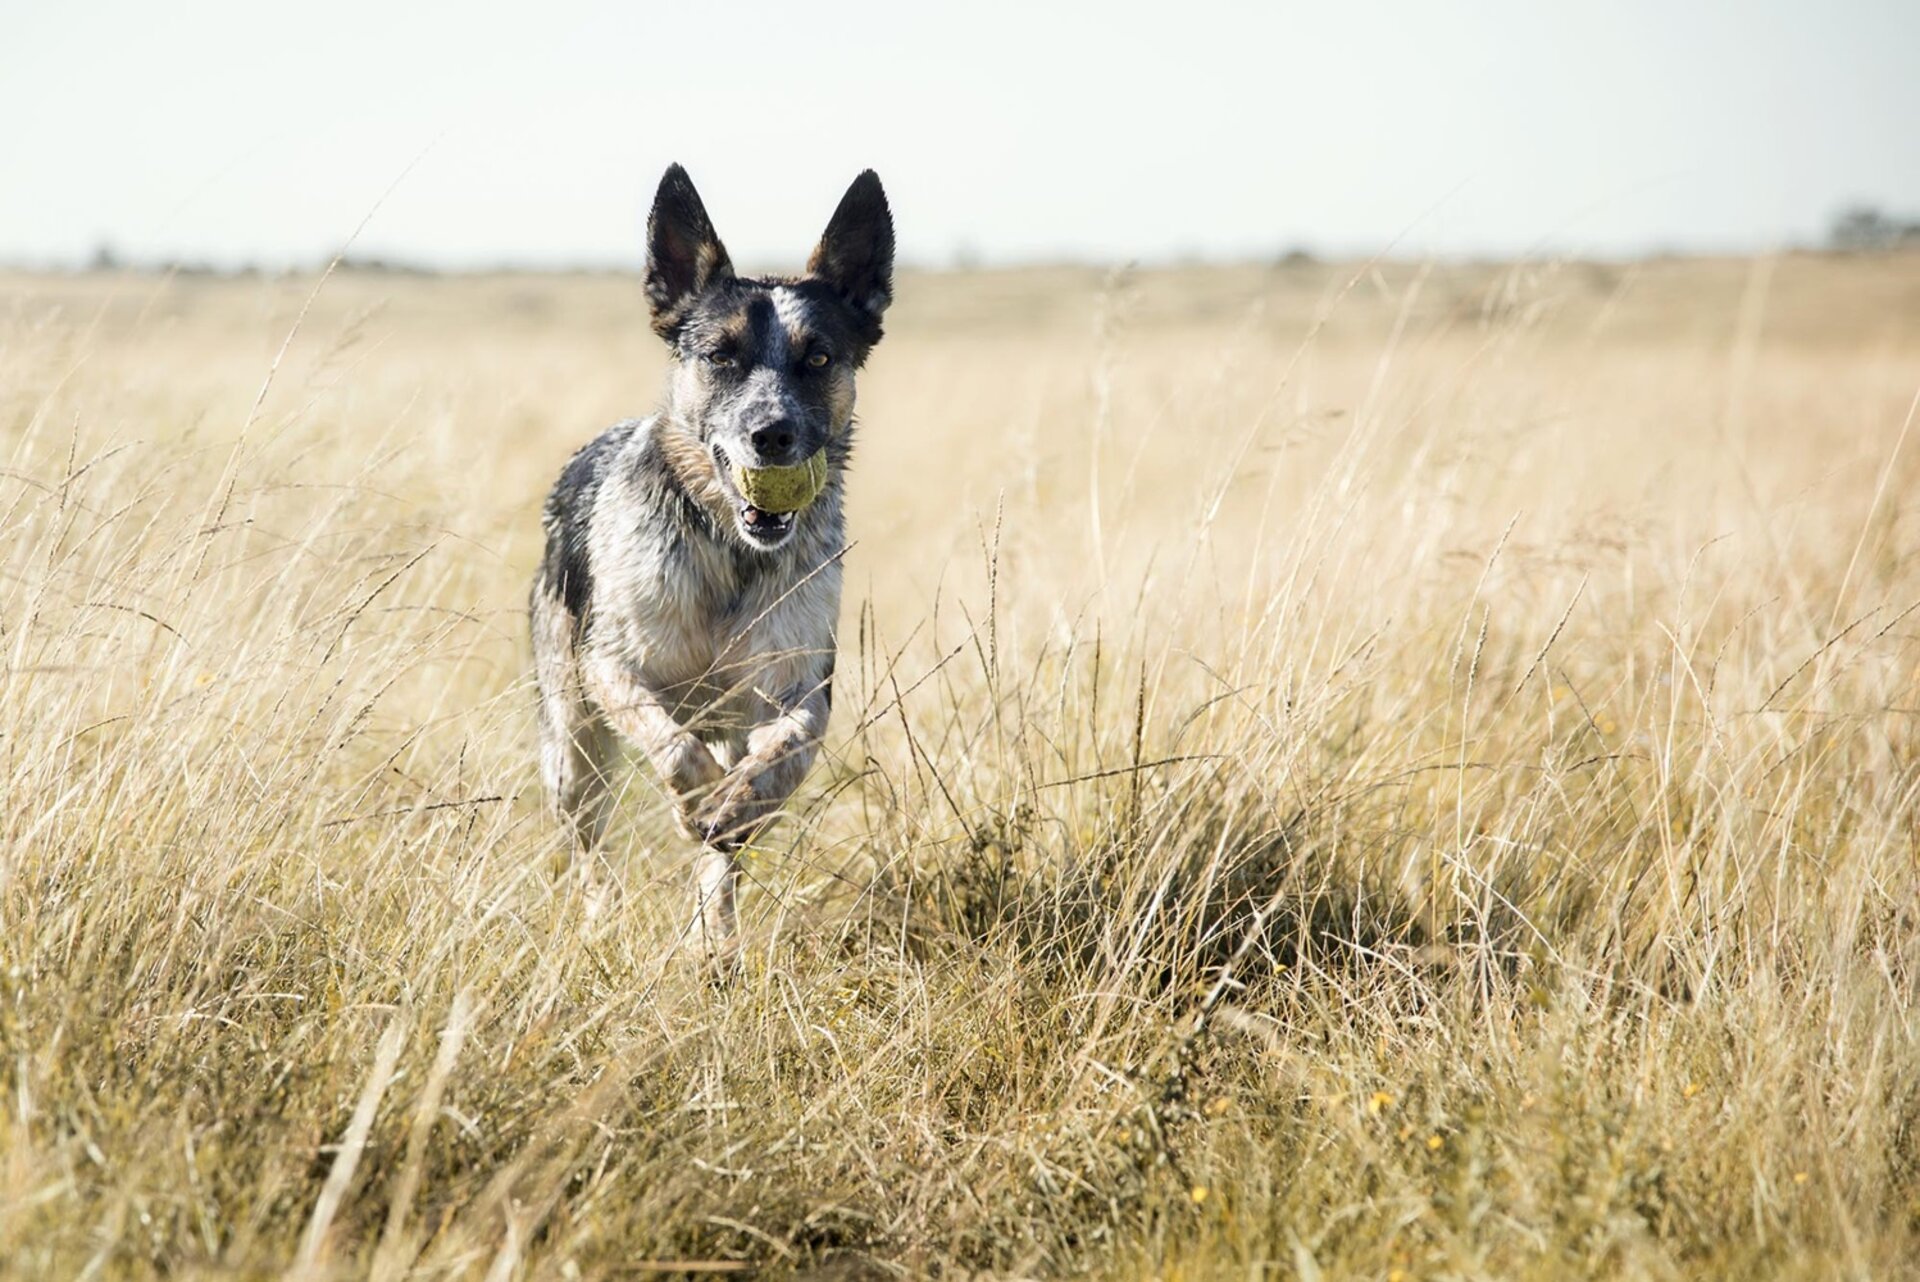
[266, 132]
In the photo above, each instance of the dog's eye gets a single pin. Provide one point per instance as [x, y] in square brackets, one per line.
[819, 360]
[720, 360]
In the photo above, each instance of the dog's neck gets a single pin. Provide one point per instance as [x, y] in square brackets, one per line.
[690, 462]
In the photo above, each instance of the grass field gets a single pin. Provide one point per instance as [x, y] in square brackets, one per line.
[1337, 772]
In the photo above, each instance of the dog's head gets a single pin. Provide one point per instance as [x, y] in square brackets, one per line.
[763, 370]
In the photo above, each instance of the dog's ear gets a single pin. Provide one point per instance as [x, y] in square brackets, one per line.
[684, 256]
[855, 255]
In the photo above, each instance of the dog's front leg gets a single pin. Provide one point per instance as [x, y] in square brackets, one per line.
[641, 716]
[780, 751]
[688, 769]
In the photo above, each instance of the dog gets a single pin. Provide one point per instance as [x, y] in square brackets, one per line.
[670, 612]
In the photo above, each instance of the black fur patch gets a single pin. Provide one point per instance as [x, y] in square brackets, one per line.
[684, 255]
[567, 516]
[855, 254]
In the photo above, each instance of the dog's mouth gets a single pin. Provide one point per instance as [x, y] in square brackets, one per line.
[767, 529]
[761, 529]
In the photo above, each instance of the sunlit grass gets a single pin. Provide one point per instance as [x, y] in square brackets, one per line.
[1335, 772]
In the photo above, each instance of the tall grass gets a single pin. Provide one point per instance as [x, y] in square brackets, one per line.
[1337, 773]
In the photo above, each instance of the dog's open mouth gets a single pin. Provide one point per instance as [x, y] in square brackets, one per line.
[763, 529]
[767, 528]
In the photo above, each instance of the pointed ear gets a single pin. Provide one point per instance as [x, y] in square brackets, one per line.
[684, 256]
[855, 255]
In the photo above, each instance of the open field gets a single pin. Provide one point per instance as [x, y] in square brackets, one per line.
[1336, 773]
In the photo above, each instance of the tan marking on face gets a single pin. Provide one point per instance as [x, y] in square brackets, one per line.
[692, 465]
[839, 396]
[738, 330]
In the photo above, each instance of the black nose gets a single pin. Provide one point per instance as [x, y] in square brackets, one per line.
[774, 441]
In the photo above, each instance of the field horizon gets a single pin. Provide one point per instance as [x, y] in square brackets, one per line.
[1339, 770]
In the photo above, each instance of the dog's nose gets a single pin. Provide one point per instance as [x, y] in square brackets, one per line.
[773, 442]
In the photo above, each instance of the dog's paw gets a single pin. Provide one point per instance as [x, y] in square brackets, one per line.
[686, 818]
[727, 817]
[723, 965]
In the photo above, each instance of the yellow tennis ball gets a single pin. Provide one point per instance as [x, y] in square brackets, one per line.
[783, 489]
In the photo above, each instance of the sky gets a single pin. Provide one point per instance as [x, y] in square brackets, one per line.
[482, 134]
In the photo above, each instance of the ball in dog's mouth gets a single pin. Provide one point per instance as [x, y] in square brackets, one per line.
[762, 525]
[782, 488]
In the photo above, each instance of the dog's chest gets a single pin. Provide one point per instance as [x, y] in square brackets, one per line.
[704, 622]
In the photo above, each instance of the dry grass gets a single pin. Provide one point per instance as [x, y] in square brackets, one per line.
[1337, 773]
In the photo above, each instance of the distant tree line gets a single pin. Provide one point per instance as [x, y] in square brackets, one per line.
[1868, 229]
[1859, 228]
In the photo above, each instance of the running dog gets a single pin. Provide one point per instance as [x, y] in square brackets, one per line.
[677, 606]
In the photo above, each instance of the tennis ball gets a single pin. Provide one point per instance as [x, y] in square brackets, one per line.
[783, 489]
